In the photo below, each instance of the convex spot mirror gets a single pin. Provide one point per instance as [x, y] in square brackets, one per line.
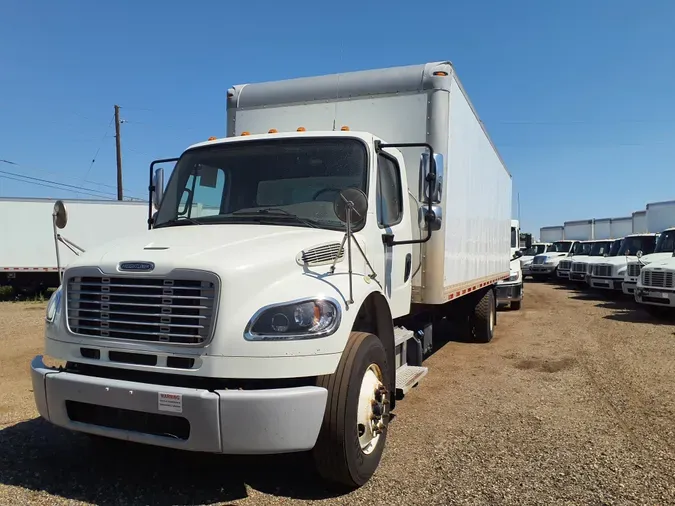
[428, 189]
[354, 198]
[59, 214]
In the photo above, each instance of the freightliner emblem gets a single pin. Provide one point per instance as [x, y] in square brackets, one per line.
[137, 266]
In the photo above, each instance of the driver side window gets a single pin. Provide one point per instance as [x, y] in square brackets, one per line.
[389, 192]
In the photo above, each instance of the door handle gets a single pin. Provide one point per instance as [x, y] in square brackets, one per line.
[408, 267]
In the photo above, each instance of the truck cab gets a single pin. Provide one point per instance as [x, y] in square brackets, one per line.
[579, 250]
[655, 288]
[510, 291]
[545, 265]
[598, 249]
[537, 248]
[665, 246]
[286, 292]
[609, 274]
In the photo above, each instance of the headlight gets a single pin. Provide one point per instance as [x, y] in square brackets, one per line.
[514, 276]
[305, 319]
[54, 305]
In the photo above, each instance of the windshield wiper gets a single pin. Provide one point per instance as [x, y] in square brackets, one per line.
[179, 221]
[277, 213]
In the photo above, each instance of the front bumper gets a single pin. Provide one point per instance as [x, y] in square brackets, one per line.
[629, 287]
[607, 283]
[222, 421]
[655, 296]
[542, 269]
[509, 293]
[577, 276]
[563, 274]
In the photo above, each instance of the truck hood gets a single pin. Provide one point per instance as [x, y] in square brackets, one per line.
[654, 257]
[666, 263]
[217, 248]
[551, 255]
[580, 258]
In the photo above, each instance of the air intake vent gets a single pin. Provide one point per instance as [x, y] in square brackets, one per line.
[323, 254]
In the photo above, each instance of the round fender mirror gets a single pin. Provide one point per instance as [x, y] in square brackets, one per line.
[60, 215]
[354, 198]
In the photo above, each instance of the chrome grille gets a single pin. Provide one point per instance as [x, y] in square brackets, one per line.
[634, 270]
[565, 265]
[176, 311]
[579, 267]
[658, 279]
[604, 271]
[539, 260]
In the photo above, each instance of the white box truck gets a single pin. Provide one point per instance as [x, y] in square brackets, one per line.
[27, 250]
[602, 229]
[620, 227]
[579, 230]
[551, 234]
[639, 220]
[347, 214]
[660, 217]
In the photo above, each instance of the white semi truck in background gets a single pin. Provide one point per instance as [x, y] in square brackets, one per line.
[593, 250]
[510, 291]
[545, 265]
[537, 248]
[344, 217]
[28, 261]
[580, 230]
[660, 218]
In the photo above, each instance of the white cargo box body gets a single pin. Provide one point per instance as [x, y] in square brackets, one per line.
[602, 229]
[640, 222]
[28, 240]
[407, 104]
[580, 230]
[660, 216]
[551, 234]
[621, 227]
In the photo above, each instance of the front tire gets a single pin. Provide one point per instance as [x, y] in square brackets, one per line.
[484, 318]
[515, 305]
[352, 438]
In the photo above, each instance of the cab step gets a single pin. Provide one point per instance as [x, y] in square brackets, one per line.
[408, 376]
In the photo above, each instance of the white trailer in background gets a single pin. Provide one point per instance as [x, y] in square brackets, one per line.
[579, 230]
[27, 249]
[603, 229]
[620, 227]
[551, 234]
[354, 211]
[660, 218]
[639, 220]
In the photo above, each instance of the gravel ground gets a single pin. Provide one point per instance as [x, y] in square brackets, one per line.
[572, 403]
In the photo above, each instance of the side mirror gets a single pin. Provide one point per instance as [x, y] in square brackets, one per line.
[528, 242]
[59, 214]
[437, 221]
[639, 254]
[517, 254]
[158, 187]
[426, 189]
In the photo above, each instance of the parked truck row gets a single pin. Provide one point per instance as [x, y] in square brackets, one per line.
[294, 276]
[634, 256]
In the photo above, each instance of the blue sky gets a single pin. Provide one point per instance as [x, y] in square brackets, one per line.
[579, 96]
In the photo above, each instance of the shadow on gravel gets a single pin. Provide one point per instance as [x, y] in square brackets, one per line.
[632, 313]
[38, 456]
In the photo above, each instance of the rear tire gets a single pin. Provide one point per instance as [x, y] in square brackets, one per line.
[484, 318]
[349, 448]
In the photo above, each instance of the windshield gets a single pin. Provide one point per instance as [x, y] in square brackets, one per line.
[582, 248]
[616, 246]
[514, 238]
[600, 249]
[666, 242]
[239, 182]
[644, 243]
[560, 247]
[535, 249]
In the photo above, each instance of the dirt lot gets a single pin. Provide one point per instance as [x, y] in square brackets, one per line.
[572, 403]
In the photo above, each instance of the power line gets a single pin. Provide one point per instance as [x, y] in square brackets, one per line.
[105, 135]
[60, 175]
[46, 185]
[65, 185]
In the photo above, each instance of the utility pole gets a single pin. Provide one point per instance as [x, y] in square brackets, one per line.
[118, 148]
